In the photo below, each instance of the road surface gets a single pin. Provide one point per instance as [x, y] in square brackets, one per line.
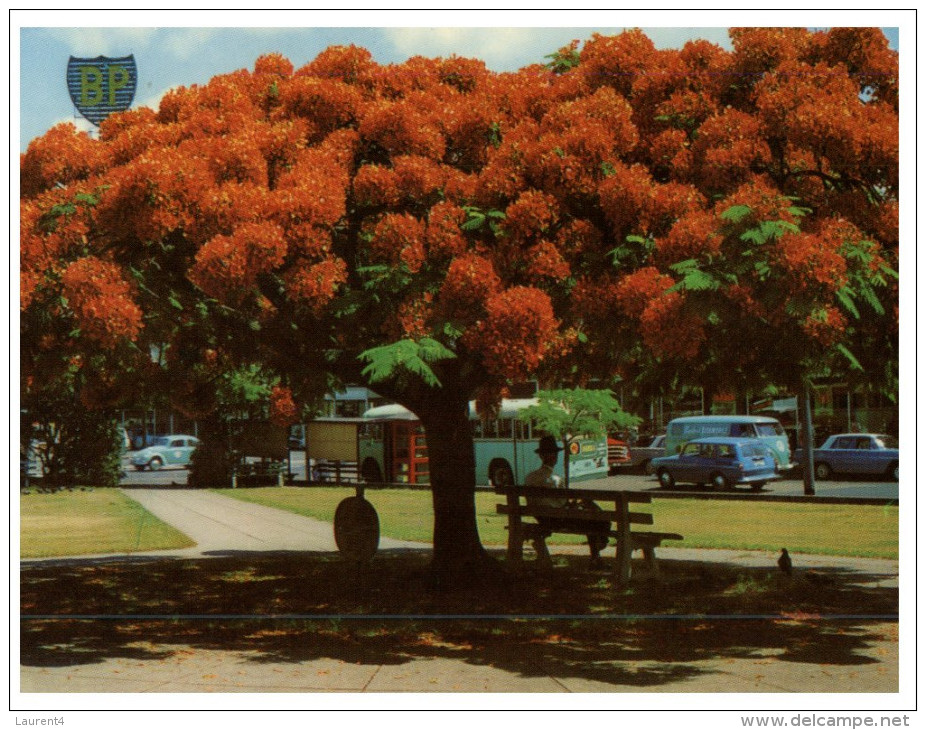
[848, 488]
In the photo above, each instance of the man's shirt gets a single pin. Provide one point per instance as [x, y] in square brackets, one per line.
[544, 477]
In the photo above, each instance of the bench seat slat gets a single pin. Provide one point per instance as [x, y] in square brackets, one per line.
[638, 538]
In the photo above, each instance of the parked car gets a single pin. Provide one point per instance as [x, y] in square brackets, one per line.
[171, 450]
[642, 456]
[618, 453]
[767, 430]
[719, 461]
[856, 453]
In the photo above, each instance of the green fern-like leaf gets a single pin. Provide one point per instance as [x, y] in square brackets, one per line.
[853, 361]
[405, 357]
[736, 213]
[845, 296]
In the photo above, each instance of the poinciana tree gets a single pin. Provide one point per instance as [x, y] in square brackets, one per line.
[436, 230]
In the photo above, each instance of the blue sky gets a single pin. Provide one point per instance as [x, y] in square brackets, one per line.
[202, 44]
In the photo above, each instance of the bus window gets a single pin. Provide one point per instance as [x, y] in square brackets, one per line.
[505, 428]
[522, 431]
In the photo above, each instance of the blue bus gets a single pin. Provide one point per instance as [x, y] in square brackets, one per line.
[392, 447]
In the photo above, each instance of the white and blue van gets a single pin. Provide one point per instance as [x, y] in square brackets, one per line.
[767, 430]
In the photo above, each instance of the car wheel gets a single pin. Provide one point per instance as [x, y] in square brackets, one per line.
[666, 480]
[500, 475]
[756, 486]
[647, 468]
[822, 470]
[155, 464]
[894, 472]
[719, 482]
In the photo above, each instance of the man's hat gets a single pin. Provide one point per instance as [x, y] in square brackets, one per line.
[548, 445]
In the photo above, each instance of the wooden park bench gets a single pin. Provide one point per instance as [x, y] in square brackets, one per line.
[620, 518]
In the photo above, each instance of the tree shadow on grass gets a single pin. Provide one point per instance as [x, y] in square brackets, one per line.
[569, 622]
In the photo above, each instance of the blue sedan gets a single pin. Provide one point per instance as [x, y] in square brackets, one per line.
[721, 462]
[856, 453]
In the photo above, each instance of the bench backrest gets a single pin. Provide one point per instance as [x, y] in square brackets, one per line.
[621, 515]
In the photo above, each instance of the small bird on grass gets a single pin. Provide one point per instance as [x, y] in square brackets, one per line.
[784, 562]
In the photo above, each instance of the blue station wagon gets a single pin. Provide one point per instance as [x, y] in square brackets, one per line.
[721, 462]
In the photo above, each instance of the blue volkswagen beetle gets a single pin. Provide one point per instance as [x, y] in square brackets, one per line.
[174, 450]
[721, 462]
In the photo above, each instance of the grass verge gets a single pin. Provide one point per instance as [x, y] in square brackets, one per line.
[89, 523]
[849, 530]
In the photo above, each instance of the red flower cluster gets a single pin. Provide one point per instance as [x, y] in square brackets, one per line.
[350, 64]
[402, 128]
[283, 411]
[670, 331]
[578, 238]
[671, 151]
[636, 291]
[532, 214]
[546, 263]
[616, 61]
[273, 64]
[443, 235]
[61, 156]
[625, 197]
[102, 301]
[328, 104]
[593, 299]
[766, 202]
[694, 235]
[516, 332]
[669, 203]
[227, 267]
[727, 148]
[470, 282]
[398, 238]
[812, 261]
[376, 185]
[412, 319]
[316, 284]
[153, 195]
[826, 326]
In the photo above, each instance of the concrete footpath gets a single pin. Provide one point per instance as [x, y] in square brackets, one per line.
[222, 525]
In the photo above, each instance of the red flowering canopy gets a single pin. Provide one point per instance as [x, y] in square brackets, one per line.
[624, 208]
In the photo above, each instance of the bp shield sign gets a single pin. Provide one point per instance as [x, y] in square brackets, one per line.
[100, 86]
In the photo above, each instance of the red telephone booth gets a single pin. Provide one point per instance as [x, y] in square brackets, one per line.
[408, 453]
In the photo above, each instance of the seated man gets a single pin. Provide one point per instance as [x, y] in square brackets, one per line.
[548, 450]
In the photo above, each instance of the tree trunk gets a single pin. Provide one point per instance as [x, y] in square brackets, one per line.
[459, 557]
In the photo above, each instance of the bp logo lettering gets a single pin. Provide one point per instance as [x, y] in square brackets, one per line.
[100, 86]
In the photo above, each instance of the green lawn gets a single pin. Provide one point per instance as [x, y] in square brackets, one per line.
[90, 522]
[852, 530]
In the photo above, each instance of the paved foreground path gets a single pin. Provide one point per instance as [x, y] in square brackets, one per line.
[220, 523]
